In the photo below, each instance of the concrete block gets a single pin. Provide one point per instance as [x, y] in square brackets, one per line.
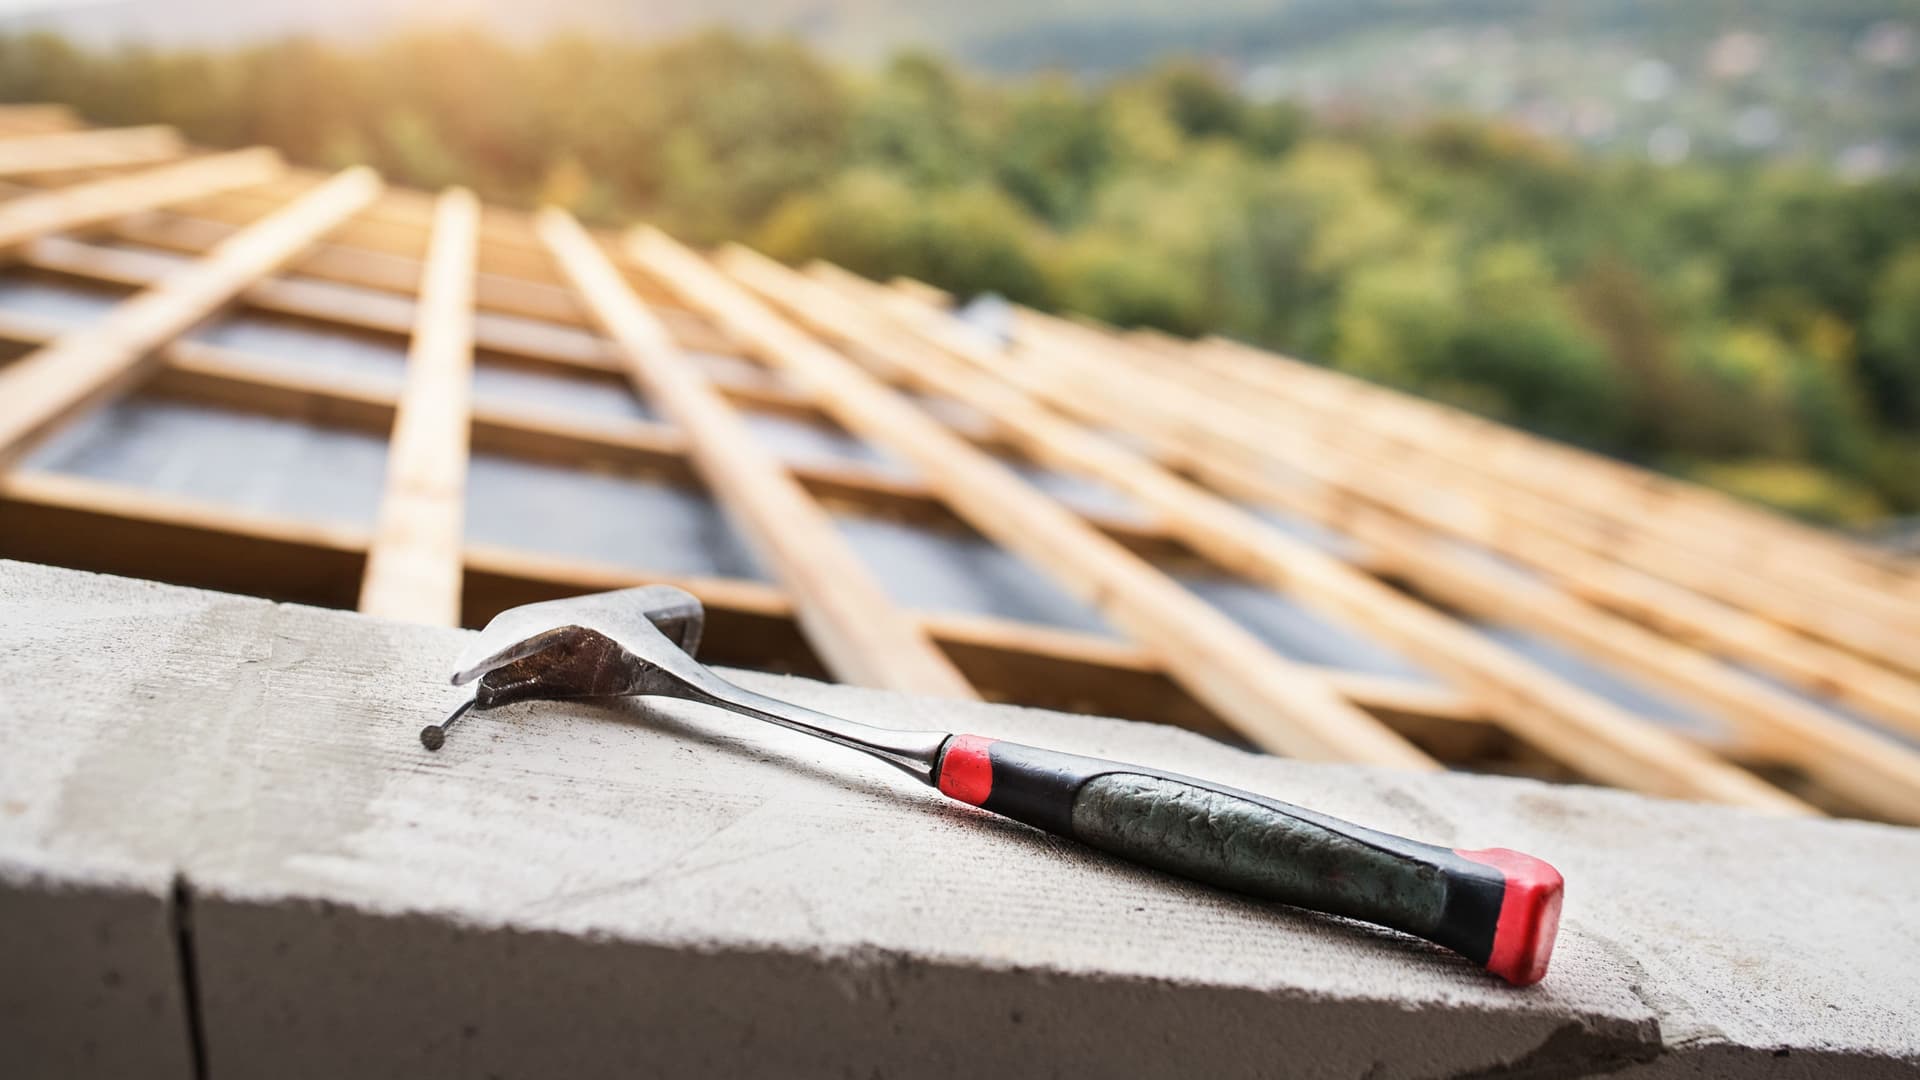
[661, 889]
[90, 975]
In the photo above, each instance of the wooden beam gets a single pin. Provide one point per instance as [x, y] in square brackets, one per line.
[542, 346]
[860, 634]
[1875, 773]
[232, 379]
[94, 363]
[379, 310]
[1322, 479]
[28, 217]
[35, 119]
[120, 529]
[1869, 772]
[1684, 511]
[1271, 700]
[560, 348]
[413, 565]
[1652, 600]
[1720, 556]
[1577, 728]
[113, 528]
[1007, 661]
[389, 272]
[398, 225]
[105, 148]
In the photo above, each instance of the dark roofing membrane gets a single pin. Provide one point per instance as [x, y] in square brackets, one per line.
[320, 474]
[630, 522]
[234, 459]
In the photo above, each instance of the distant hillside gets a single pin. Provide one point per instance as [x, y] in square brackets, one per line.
[1836, 81]
[1753, 325]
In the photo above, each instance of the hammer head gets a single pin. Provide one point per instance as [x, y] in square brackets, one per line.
[632, 641]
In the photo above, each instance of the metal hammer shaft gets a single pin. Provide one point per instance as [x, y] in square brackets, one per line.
[1497, 907]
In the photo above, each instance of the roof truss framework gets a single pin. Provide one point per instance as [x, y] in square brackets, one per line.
[1456, 524]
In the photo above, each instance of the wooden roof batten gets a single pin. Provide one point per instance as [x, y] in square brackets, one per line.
[1185, 430]
[413, 564]
[92, 364]
[1531, 701]
[860, 634]
[1572, 720]
[1392, 509]
[1271, 700]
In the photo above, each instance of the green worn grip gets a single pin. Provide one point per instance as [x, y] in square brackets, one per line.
[1240, 844]
[1498, 907]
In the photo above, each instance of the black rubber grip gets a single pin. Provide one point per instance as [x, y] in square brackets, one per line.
[1263, 847]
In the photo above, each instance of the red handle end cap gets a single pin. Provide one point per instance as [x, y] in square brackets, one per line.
[966, 769]
[1529, 914]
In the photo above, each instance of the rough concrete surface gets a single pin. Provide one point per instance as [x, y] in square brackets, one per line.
[642, 890]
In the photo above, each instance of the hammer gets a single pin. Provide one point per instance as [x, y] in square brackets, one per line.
[1499, 908]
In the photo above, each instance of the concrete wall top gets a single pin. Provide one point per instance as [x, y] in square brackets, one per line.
[222, 849]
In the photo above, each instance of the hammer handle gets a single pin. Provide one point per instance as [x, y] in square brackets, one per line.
[1498, 908]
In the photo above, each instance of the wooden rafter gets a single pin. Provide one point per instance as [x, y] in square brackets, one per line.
[1863, 620]
[230, 379]
[1872, 771]
[1322, 478]
[346, 264]
[123, 530]
[1271, 700]
[1663, 582]
[856, 629]
[1681, 512]
[36, 119]
[413, 564]
[1657, 603]
[60, 151]
[91, 364]
[1578, 728]
[29, 217]
[234, 379]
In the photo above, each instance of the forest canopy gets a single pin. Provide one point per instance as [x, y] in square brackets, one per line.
[1754, 325]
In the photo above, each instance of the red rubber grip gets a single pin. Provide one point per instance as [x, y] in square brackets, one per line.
[1495, 906]
[1529, 914]
[966, 771]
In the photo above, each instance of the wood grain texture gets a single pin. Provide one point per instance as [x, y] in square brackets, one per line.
[247, 382]
[27, 217]
[29, 119]
[1271, 700]
[1369, 492]
[1640, 502]
[113, 528]
[413, 564]
[859, 633]
[1676, 611]
[91, 364]
[543, 345]
[952, 361]
[1279, 465]
[1715, 558]
[347, 264]
[1866, 771]
[103, 148]
[1666, 584]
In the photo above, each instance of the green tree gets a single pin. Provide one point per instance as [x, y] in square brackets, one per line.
[1891, 359]
[916, 120]
[1755, 324]
[1053, 150]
